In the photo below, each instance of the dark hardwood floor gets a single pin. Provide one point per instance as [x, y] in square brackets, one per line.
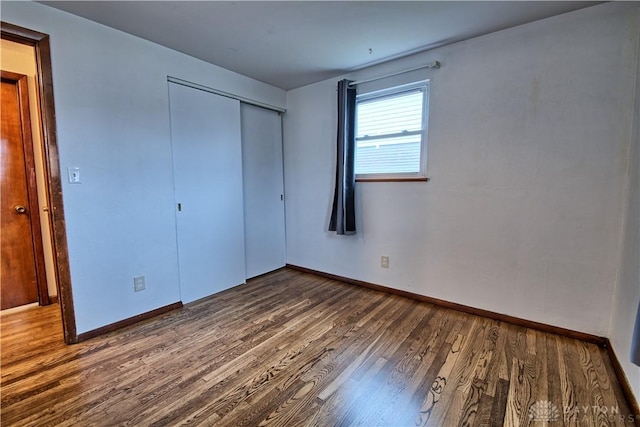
[294, 349]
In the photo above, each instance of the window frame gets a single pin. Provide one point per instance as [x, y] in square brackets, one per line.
[421, 175]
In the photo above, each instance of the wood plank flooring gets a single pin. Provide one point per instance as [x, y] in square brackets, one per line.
[294, 349]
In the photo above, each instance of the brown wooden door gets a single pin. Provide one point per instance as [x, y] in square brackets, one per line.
[22, 276]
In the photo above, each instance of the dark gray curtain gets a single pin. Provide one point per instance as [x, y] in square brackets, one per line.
[635, 344]
[343, 215]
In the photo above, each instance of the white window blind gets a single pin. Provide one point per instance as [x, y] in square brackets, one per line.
[391, 132]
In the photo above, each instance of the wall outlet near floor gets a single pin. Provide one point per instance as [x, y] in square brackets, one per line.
[139, 283]
[384, 261]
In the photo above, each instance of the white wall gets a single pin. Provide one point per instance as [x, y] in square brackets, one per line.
[529, 130]
[627, 293]
[112, 112]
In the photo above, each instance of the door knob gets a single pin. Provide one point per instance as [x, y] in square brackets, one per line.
[21, 209]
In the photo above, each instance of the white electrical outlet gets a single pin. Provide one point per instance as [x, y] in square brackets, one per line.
[139, 283]
[384, 261]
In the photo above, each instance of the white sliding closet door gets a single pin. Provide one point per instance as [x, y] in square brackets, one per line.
[263, 190]
[207, 163]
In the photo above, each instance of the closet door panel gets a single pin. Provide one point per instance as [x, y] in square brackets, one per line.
[207, 163]
[262, 168]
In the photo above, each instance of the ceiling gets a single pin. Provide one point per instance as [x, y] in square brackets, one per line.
[290, 44]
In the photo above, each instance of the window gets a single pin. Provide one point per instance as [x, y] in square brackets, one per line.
[391, 133]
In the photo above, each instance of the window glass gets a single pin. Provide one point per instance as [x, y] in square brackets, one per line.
[391, 132]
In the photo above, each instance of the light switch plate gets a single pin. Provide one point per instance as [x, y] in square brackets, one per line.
[74, 175]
